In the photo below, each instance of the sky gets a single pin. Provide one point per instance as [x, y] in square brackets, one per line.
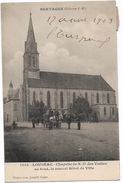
[58, 53]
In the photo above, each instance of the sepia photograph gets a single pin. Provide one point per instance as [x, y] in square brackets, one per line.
[60, 89]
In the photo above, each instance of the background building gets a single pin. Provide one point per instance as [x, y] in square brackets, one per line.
[12, 106]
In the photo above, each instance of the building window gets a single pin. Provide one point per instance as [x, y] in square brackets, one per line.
[74, 96]
[34, 96]
[86, 95]
[97, 97]
[103, 98]
[55, 98]
[41, 96]
[34, 64]
[113, 110]
[105, 111]
[48, 99]
[61, 99]
[29, 60]
[108, 98]
[92, 98]
[68, 98]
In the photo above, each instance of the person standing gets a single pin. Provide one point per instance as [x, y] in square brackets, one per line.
[79, 125]
[50, 122]
[79, 122]
[69, 120]
[33, 122]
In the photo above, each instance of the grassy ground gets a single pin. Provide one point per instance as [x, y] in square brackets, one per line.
[94, 142]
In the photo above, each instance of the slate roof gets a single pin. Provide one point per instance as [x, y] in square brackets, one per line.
[69, 81]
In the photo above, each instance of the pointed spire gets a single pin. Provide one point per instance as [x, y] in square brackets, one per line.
[30, 35]
[30, 44]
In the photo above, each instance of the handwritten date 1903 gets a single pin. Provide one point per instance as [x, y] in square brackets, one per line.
[95, 20]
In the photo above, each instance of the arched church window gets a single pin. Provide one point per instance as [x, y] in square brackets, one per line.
[113, 110]
[103, 98]
[97, 98]
[61, 99]
[34, 97]
[74, 96]
[105, 111]
[33, 59]
[108, 98]
[56, 99]
[86, 95]
[29, 60]
[48, 99]
[92, 98]
[41, 96]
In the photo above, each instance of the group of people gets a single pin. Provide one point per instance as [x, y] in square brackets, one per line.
[53, 119]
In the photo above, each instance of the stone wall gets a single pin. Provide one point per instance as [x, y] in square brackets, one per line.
[110, 113]
[41, 94]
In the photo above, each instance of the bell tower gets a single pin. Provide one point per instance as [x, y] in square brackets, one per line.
[30, 67]
[31, 55]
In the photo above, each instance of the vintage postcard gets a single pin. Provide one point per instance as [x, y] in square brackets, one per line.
[60, 91]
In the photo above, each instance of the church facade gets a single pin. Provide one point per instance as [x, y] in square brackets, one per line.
[59, 90]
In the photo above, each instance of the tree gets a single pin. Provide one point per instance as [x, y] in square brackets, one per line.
[81, 108]
[42, 109]
[37, 110]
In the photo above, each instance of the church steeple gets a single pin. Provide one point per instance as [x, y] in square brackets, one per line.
[31, 55]
[30, 65]
[30, 44]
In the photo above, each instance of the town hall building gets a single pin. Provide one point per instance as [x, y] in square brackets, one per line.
[56, 90]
